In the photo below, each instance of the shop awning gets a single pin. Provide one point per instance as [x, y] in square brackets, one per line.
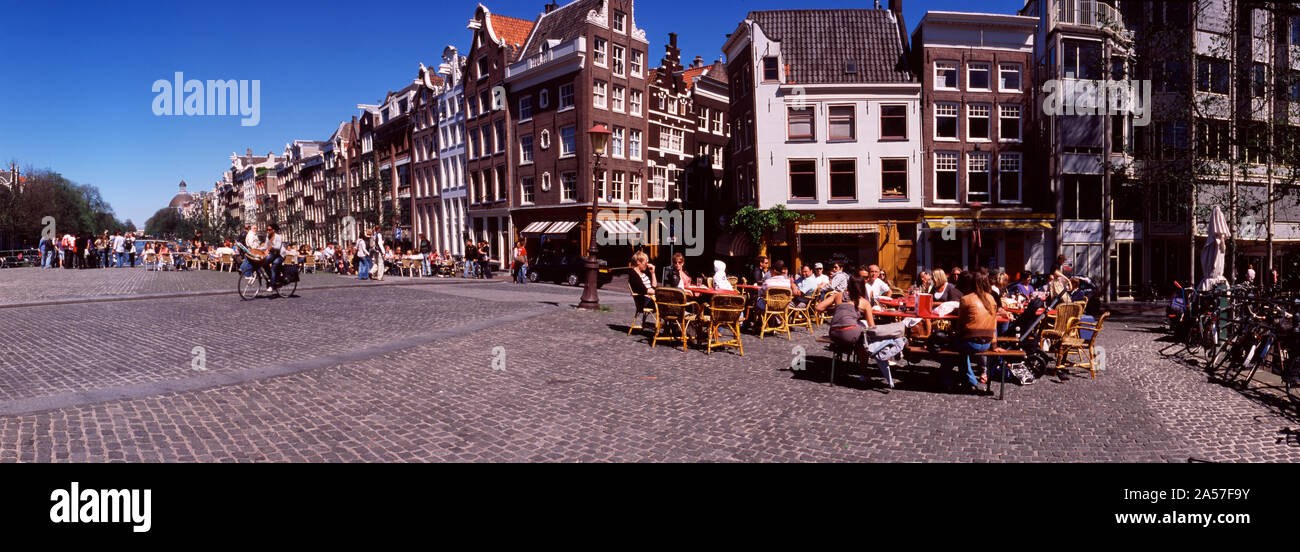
[560, 229]
[535, 229]
[995, 223]
[734, 245]
[619, 227]
[838, 228]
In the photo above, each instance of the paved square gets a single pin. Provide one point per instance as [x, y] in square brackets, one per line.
[456, 370]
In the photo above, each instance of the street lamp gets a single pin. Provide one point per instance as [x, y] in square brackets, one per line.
[599, 136]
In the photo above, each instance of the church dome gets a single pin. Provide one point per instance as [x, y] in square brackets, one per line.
[181, 198]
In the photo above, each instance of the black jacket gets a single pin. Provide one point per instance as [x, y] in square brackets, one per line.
[760, 277]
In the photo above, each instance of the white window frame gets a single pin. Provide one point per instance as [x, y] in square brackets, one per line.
[853, 123]
[564, 107]
[634, 145]
[988, 68]
[616, 184]
[972, 159]
[617, 141]
[526, 153]
[568, 194]
[600, 52]
[619, 19]
[1011, 67]
[525, 102]
[988, 116]
[944, 65]
[658, 183]
[544, 139]
[526, 183]
[955, 109]
[636, 62]
[600, 94]
[718, 127]
[635, 101]
[1009, 159]
[634, 188]
[618, 99]
[943, 160]
[1020, 125]
[567, 150]
[618, 60]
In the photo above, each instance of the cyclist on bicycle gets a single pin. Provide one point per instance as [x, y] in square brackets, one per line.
[274, 251]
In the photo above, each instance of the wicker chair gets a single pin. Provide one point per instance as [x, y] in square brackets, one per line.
[734, 281]
[774, 316]
[643, 306]
[1072, 343]
[309, 263]
[227, 262]
[800, 315]
[819, 317]
[151, 258]
[724, 313]
[673, 310]
[1064, 312]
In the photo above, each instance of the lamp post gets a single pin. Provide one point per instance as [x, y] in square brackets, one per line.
[599, 137]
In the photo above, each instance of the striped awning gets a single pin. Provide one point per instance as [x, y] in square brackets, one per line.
[619, 227]
[561, 228]
[996, 223]
[838, 228]
[535, 229]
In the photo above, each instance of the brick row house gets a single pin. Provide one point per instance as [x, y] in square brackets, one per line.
[583, 64]
[687, 123]
[498, 42]
[984, 206]
[706, 174]
[825, 116]
[451, 210]
[425, 202]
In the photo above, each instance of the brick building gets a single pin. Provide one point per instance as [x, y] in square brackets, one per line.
[975, 105]
[582, 64]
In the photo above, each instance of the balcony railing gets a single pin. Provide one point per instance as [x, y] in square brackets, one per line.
[561, 51]
[1090, 13]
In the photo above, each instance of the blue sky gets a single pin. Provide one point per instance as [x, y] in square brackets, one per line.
[76, 77]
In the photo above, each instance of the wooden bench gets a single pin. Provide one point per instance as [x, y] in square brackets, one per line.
[914, 352]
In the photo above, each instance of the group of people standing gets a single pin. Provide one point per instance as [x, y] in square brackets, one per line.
[88, 251]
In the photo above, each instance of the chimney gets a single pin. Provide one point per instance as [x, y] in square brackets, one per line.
[896, 6]
[250, 152]
[672, 39]
[550, 7]
[699, 61]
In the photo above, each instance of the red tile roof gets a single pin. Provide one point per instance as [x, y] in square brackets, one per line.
[692, 73]
[513, 30]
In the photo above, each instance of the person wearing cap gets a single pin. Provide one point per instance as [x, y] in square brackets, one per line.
[808, 284]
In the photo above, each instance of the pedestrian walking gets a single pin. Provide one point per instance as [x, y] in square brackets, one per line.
[363, 256]
[378, 252]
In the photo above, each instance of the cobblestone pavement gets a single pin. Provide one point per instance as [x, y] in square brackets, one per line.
[34, 285]
[466, 371]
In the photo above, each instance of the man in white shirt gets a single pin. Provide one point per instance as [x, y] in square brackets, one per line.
[1250, 274]
[119, 250]
[808, 284]
[274, 254]
[876, 285]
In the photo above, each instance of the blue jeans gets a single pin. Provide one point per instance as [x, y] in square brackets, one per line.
[275, 270]
[363, 269]
[121, 260]
[522, 275]
[469, 268]
[428, 268]
[967, 348]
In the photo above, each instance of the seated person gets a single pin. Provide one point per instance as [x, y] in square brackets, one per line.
[720, 280]
[943, 290]
[777, 280]
[808, 284]
[677, 276]
[1022, 287]
[642, 280]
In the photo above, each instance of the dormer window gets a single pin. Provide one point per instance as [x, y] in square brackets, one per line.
[771, 69]
[850, 68]
[620, 22]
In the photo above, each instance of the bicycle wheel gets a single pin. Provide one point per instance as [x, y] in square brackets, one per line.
[287, 289]
[249, 286]
[1291, 379]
